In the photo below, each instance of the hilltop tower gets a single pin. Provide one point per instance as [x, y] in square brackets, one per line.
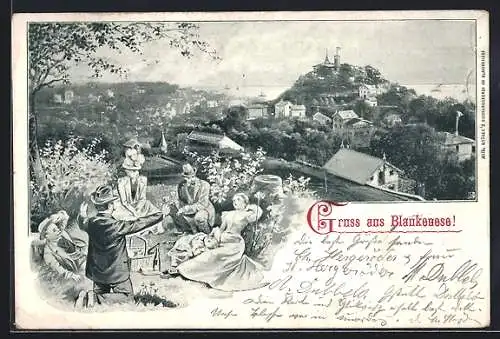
[327, 60]
[337, 59]
[326, 67]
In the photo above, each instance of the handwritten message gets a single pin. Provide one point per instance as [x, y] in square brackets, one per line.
[369, 280]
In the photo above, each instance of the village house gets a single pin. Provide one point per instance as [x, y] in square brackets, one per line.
[367, 91]
[371, 91]
[298, 111]
[364, 169]
[256, 111]
[94, 98]
[392, 120]
[212, 103]
[464, 148]
[341, 117]
[58, 99]
[282, 109]
[69, 96]
[358, 132]
[202, 141]
[371, 101]
[321, 118]
[357, 123]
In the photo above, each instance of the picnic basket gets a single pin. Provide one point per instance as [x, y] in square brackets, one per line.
[141, 259]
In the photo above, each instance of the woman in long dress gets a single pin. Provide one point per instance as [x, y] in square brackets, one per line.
[226, 267]
[132, 193]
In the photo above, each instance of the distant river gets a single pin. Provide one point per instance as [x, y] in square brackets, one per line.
[442, 91]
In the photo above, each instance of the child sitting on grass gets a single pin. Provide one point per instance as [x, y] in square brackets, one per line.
[189, 246]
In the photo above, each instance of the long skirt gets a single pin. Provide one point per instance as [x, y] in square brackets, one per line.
[225, 268]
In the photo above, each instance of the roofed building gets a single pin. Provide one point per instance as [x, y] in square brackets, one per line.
[462, 146]
[364, 169]
[321, 118]
[392, 120]
[341, 117]
[256, 111]
[298, 111]
[282, 109]
[210, 141]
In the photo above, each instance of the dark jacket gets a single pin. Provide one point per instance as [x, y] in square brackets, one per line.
[107, 259]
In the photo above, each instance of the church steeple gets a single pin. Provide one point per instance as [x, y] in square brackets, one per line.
[327, 61]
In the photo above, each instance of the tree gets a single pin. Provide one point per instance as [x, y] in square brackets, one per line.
[364, 110]
[398, 96]
[424, 108]
[417, 151]
[235, 116]
[54, 47]
[373, 76]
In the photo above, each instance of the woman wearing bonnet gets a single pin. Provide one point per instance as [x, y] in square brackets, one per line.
[132, 188]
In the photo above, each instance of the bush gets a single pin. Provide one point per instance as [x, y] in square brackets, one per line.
[261, 237]
[71, 173]
[228, 176]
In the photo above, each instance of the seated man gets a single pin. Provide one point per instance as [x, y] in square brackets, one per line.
[193, 212]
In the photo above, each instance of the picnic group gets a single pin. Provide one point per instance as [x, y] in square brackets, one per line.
[208, 247]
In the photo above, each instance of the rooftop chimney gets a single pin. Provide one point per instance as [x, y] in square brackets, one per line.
[459, 114]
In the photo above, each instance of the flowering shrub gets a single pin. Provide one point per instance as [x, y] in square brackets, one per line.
[259, 236]
[228, 176]
[270, 231]
[71, 172]
[298, 187]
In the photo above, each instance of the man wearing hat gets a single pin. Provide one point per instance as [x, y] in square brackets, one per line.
[194, 211]
[59, 251]
[107, 259]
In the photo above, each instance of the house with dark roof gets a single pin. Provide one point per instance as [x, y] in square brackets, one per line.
[202, 141]
[463, 147]
[364, 169]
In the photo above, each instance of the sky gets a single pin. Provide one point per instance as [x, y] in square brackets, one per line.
[270, 56]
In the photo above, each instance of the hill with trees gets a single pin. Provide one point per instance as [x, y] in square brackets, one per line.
[342, 84]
